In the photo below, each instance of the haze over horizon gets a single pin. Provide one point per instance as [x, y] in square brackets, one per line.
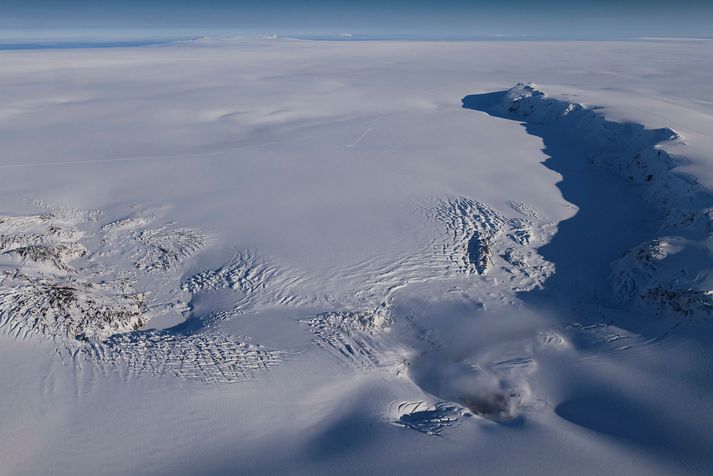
[586, 19]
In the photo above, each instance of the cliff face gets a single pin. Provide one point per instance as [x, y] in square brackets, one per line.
[670, 271]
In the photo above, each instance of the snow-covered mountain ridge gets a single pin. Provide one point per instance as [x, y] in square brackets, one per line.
[671, 271]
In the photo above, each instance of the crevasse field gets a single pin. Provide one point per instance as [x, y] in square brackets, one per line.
[312, 257]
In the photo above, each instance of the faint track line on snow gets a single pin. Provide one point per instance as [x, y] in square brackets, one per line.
[155, 157]
[366, 132]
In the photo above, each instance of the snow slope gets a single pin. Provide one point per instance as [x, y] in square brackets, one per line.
[259, 256]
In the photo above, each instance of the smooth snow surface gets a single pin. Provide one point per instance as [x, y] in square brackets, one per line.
[295, 257]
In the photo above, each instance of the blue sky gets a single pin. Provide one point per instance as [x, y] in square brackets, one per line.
[444, 18]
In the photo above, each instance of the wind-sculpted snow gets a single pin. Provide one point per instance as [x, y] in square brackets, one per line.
[634, 271]
[479, 238]
[92, 288]
[66, 307]
[474, 228]
[668, 272]
[471, 238]
[352, 337]
[166, 248]
[356, 330]
[258, 279]
[49, 240]
[431, 419]
[42, 293]
[54, 255]
[96, 285]
[153, 249]
[208, 356]
[305, 257]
